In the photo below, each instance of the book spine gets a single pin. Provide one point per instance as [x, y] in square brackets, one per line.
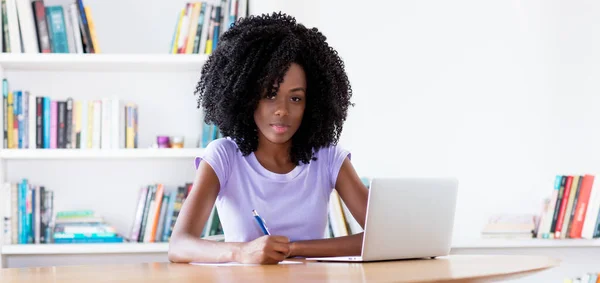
[58, 30]
[561, 192]
[22, 211]
[15, 213]
[85, 29]
[47, 121]
[77, 124]
[39, 126]
[19, 121]
[563, 207]
[135, 229]
[5, 113]
[151, 191]
[42, 26]
[573, 209]
[582, 203]
[54, 124]
[31, 124]
[74, 14]
[5, 31]
[37, 215]
[169, 216]
[25, 118]
[10, 120]
[60, 133]
[69, 123]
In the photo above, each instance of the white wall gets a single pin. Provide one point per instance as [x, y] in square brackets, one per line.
[501, 94]
[498, 93]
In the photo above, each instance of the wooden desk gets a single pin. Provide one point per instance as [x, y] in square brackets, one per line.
[462, 268]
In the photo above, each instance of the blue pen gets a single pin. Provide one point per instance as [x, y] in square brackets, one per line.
[261, 223]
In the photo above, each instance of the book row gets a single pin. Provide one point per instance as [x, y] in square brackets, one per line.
[200, 24]
[157, 210]
[572, 210]
[31, 121]
[33, 27]
[27, 218]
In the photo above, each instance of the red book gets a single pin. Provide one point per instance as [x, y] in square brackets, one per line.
[563, 207]
[582, 203]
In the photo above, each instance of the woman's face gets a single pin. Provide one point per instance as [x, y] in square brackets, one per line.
[278, 117]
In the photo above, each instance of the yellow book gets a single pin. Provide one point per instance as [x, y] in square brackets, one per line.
[193, 28]
[129, 127]
[10, 120]
[176, 40]
[88, 15]
[90, 124]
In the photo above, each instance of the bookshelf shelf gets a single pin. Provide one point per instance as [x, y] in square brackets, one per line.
[29, 154]
[526, 243]
[112, 248]
[102, 62]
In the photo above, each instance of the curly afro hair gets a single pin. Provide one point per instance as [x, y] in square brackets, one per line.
[251, 59]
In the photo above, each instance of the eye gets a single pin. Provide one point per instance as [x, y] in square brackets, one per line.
[270, 96]
[296, 99]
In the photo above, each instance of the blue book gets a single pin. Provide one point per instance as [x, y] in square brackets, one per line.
[169, 216]
[89, 240]
[57, 27]
[23, 212]
[46, 121]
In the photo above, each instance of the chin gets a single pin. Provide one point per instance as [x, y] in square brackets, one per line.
[278, 139]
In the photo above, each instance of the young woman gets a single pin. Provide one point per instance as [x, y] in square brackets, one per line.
[279, 94]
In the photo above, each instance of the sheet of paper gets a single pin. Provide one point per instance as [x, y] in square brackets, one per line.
[239, 264]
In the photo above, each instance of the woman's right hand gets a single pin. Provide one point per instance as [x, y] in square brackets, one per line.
[264, 250]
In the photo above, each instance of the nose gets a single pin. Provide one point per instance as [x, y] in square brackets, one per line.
[281, 109]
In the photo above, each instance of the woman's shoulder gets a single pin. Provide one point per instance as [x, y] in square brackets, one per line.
[332, 153]
[219, 151]
[225, 144]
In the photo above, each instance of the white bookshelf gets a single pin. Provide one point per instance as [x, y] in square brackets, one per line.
[67, 154]
[525, 243]
[102, 62]
[106, 181]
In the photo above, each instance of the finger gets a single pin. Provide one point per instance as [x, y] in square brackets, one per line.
[280, 239]
[282, 248]
[277, 256]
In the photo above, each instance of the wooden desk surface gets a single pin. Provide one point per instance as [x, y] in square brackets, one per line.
[456, 268]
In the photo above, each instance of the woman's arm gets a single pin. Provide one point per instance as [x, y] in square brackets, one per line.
[354, 194]
[187, 246]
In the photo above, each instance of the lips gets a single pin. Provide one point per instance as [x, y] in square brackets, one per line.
[280, 128]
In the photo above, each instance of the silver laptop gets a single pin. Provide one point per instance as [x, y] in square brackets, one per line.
[407, 218]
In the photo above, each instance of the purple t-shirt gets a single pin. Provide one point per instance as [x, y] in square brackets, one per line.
[293, 204]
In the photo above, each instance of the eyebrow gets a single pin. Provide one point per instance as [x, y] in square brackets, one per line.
[297, 89]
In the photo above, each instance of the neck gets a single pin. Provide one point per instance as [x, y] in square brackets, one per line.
[280, 153]
[274, 157]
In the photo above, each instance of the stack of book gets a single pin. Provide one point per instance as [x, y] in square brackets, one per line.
[510, 226]
[157, 210]
[33, 27]
[27, 218]
[200, 24]
[572, 210]
[590, 277]
[83, 226]
[42, 122]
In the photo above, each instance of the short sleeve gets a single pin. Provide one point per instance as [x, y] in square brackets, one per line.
[219, 155]
[336, 157]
